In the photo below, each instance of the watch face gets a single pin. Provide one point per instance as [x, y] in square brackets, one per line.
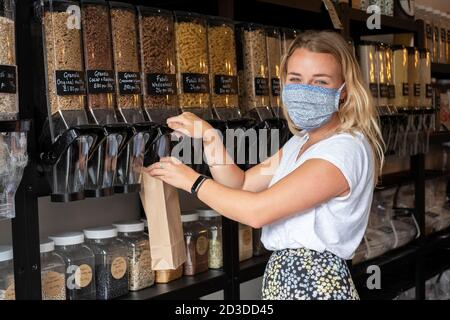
[407, 7]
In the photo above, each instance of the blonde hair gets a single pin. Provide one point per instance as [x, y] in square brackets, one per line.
[358, 112]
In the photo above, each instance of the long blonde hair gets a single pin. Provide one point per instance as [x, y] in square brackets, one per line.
[358, 112]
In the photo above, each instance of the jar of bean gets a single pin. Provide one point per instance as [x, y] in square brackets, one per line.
[140, 273]
[196, 238]
[111, 265]
[79, 263]
[213, 222]
[7, 291]
[53, 278]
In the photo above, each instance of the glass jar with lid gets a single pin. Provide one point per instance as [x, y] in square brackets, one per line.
[196, 238]
[7, 291]
[140, 273]
[53, 277]
[111, 276]
[213, 222]
[245, 242]
[79, 263]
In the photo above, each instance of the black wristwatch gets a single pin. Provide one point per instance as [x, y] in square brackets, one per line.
[197, 184]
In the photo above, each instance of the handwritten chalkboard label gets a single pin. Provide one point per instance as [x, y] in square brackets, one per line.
[8, 81]
[261, 86]
[100, 81]
[129, 82]
[70, 82]
[225, 84]
[195, 83]
[161, 84]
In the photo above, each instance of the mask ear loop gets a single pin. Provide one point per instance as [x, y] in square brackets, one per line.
[338, 96]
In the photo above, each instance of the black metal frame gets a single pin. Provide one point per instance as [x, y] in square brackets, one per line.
[25, 227]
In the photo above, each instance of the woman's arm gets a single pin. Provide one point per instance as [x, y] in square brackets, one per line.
[311, 184]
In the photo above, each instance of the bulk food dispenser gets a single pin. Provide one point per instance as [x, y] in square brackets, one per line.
[13, 138]
[100, 86]
[67, 139]
[129, 95]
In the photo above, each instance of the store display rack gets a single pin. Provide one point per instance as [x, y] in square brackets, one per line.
[405, 267]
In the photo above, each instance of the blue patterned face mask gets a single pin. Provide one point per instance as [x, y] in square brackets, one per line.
[310, 107]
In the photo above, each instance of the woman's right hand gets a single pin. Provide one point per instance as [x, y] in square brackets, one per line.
[189, 124]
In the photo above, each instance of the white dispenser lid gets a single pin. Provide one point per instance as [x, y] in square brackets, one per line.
[6, 253]
[207, 213]
[68, 238]
[100, 232]
[47, 246]
[189, 217]
[129, 226]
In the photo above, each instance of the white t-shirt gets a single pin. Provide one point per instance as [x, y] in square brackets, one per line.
[338, 225]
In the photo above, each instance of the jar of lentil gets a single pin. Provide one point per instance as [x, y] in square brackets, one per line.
[191, 44]
[66, 87]
[7, 291]
[79, 263]
[400, 71]
[9, 107]
[253, 70]
[245, 242]
[126, 61]
[390, 75]
[140, 273]
[196, 238]
[53, 278]
[223, 68]
[413, 77]
[213, 222]
[273, 40]
[158, 63]
[111, 265]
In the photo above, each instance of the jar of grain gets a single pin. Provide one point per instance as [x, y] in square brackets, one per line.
[196, 238]
[273, 41]
[9, 107]
[413, 77]
[223, 68]
[213, 222]
[245, 242]
[253, 69]
[140, 271]
[191, 44]
[7, 291]
[53, 279]
[368, 61]
[98, 60]
[158, 63]
[400, 68]
[426, 90]
[126, 61]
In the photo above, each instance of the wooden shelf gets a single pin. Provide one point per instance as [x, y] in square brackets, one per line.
[440, 70]
[358, 19]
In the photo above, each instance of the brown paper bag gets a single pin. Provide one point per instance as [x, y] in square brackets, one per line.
[162, 208]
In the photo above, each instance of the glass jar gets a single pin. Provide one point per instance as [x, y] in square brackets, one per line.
[126, 61]
[7, 291]
[447, 43]
[98, 58]
[390, 79]
[213, 222]
[288, 36]
[388, 8]
[140, 273]
[252, 67]
[196, 238]
[158, 63]
[192, 63]
[223, 65]
[436, 35]
[400, 71]
[9, 107]
[429, 31]
[273, 40]
[53, 269]
[369, 67]
[245, 242]
[426, 91]
[413, 77]
[443, 37]
[111, 266]
[383, 93]
[79, 263]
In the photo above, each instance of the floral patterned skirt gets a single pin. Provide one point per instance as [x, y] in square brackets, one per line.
[304, 274]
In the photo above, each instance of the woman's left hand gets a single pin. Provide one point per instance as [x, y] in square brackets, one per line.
[172, 171]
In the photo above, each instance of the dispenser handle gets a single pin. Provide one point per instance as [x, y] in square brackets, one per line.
[97, 132]
[54, 151]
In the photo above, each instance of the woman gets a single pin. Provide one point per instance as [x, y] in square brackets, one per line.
[312, 198]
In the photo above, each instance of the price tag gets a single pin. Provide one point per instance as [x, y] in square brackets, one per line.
[337, 24]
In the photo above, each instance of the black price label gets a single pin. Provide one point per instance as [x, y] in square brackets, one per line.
[129, 82]
[428, 31]
[70, 83]
[391, 91]
[8, 81]
[416, 89]
[429, 91]
[384, 93]
[100, 81]
[374, 89]
[161, 84]
[225, 84]
[261, 86]
[195, 83]
[276, 88]
[405, 89]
